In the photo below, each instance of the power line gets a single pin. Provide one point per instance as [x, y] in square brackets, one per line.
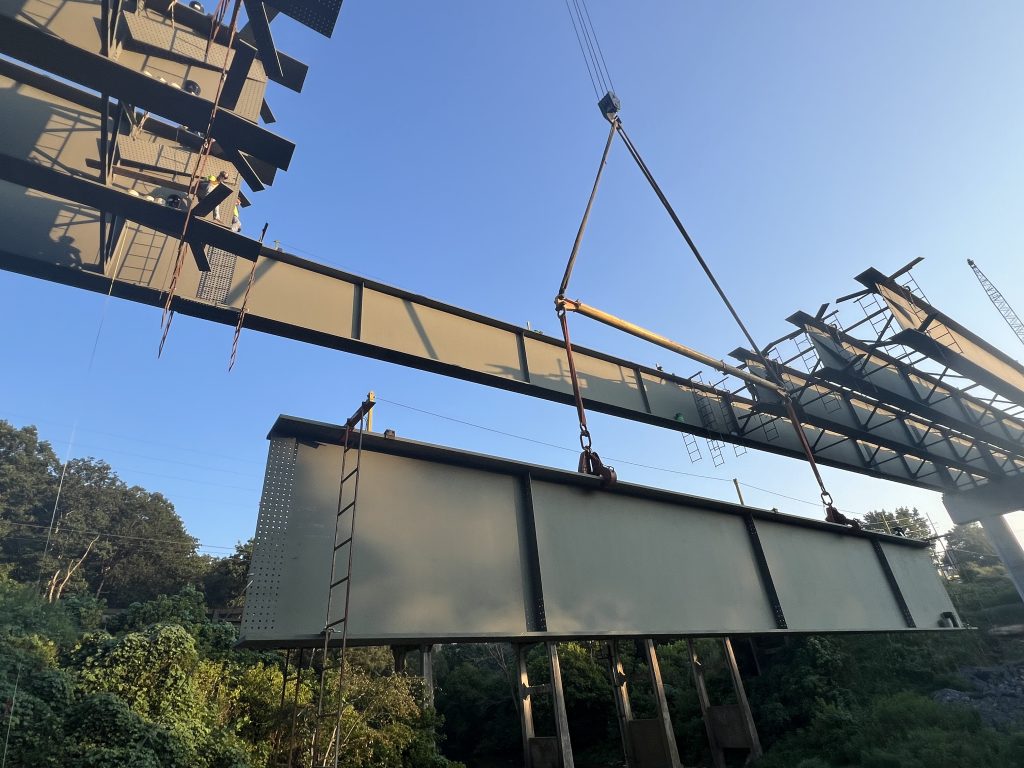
[132, 438]
[107, 535]
[542, 442]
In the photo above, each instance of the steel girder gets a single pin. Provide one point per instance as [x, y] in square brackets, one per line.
[851, 363]
[394, 325]
[38, 48]
[936, 335]
[921, 446]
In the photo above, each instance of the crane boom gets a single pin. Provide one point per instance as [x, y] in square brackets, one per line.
[1000, 303]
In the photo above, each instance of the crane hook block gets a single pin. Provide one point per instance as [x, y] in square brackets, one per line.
[609, 105]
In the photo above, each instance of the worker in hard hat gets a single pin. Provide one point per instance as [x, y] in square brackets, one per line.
[207, 185]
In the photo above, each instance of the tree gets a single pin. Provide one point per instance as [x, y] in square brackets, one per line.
[226, 578]
[29, 471]
[98, 535]
[904, 521]
[968, 545]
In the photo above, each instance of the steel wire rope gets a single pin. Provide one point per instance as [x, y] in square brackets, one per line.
[579, 40]
[110, 535]
[162, 460]
[587, 36]
[597, 41]
[826, 497]
[592, 42]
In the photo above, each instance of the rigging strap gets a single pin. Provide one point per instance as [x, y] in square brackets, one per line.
[590, 462]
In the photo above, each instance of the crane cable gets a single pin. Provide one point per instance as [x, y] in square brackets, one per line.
[590, 462]
[609, 106]
[831, 513]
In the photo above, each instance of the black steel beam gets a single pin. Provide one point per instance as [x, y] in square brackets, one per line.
[159, 218]
[765, 572]
[39, 48]
[259, 24]
[890, 577]
[533, 588]
[241, 63]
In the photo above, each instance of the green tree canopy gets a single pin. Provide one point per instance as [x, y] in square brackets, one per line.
[107, 538]
[903, 521]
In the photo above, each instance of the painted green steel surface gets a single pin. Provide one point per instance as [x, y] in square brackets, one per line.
[457, 546]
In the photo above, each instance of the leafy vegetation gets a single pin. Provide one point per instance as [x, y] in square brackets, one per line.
[109, 657]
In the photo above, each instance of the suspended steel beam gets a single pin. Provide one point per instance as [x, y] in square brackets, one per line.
[300, 299]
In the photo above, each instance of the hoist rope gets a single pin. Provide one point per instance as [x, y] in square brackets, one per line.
[586, 213]
[590, 46]
[826, 497]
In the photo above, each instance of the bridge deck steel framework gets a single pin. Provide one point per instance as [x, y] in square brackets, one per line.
[116, 162]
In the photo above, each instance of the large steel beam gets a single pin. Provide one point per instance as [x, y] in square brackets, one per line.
[853, 364]
[39, 48]
[935, 447]
[941, 338]
[299, 299]
[626, 561]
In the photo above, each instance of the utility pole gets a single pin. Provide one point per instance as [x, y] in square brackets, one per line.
[1000, 303]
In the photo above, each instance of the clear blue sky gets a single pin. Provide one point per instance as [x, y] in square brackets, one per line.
[448, 148]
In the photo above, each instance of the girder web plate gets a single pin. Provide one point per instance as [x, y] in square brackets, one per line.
[455, 546]
[263, 593]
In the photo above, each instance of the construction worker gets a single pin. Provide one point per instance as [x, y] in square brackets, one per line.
[207, 185]
[236, 223]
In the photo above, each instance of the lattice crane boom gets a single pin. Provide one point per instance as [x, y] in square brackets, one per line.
[1000, 303]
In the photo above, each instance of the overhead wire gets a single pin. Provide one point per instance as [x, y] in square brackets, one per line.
[109, 535]
[158, 443]
[568, 449]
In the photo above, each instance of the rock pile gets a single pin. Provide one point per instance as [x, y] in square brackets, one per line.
[997, 694]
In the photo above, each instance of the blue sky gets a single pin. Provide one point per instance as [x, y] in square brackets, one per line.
[448, 148]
